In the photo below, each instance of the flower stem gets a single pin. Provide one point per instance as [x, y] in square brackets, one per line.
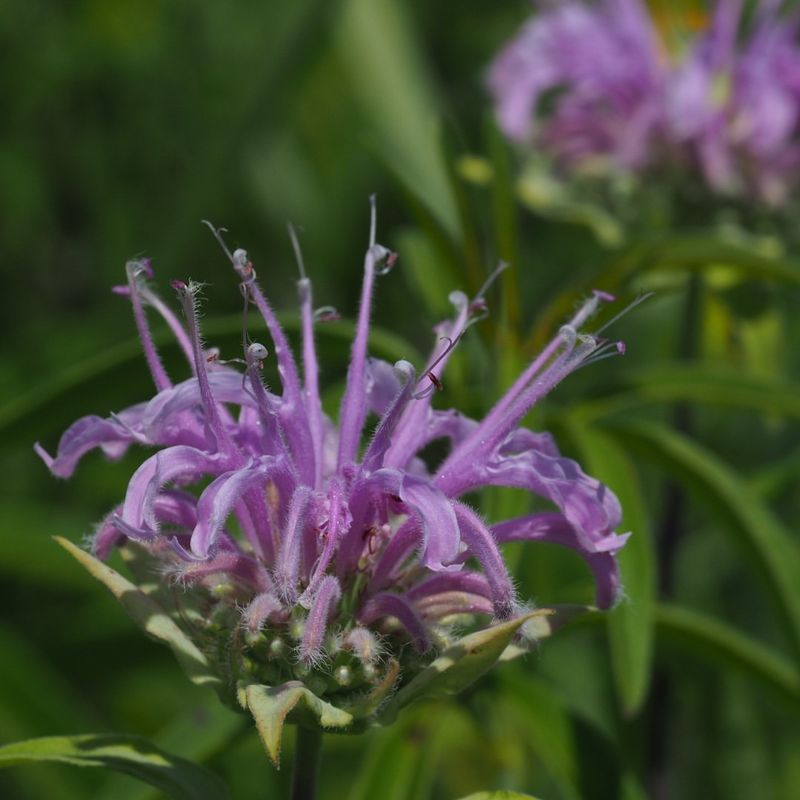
[305, 768]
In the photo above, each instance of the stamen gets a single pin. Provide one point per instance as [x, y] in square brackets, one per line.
[217, 232]
[498, 270]
[638, 301]
[297, 252]
[373, 219]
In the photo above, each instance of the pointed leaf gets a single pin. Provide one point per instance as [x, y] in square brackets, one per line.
[150, 617]
[132, 755]
[390, 80]
[465, 661]
[271, 708]
[630, 623]
[200, 733]
[755, 529]
[703, 636]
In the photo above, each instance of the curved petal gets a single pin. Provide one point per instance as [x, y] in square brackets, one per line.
[219, 499]
[183, 463]
[84, 435]
[322, 608]
[482, 545]
[556, 529]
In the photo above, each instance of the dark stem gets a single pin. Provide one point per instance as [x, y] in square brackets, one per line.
[670, 535]
[305, 767]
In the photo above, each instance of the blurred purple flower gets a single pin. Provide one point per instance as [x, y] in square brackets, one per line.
[339, 535]
[586, 81]
[583, 81]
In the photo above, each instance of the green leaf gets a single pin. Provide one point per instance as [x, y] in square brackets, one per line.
[547, 725]
[465, 661]
[198, 734]
[700, 635]
[390, 79]
[630, 624]
[150, 617]
[271, 707]
[131, 755]
[706, 384]
[761, 536]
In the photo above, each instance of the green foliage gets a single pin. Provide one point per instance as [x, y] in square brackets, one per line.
[131, 755]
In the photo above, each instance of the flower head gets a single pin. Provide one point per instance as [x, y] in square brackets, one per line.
[590, 83]
[330, 552]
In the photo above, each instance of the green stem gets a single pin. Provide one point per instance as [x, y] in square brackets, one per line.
[305, 768]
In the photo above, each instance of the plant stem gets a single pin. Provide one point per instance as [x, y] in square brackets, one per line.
[305, 768]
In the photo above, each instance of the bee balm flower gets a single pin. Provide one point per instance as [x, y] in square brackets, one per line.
[595, 83]
[332, 557]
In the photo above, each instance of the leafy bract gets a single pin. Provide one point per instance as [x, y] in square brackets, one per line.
[132, 755]
[149, 616]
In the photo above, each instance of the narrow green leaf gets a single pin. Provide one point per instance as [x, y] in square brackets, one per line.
[389, 77]
[132, 755]
[705, 384]
[548, 728]
[146, 613]
[762, 537]
[465, 661]
[403, 761]
[271, 707]
[700, 635]
[198, 734]
[425, 270]
[630, 624]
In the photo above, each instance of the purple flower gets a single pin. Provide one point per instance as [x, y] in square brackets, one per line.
[582, 82]
[585, 82]
[338, 540]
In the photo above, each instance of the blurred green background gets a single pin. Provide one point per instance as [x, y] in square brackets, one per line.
[125, 123]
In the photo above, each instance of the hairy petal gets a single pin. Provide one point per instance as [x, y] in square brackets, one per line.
[81, 437]
[482, 545]
[322, 608]
[385, 604]
[218, 501]
[178, 463]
